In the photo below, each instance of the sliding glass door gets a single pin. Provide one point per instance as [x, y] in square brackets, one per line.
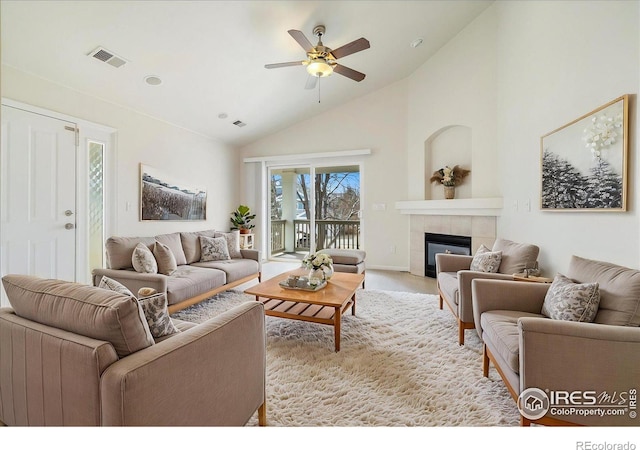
[312, 208]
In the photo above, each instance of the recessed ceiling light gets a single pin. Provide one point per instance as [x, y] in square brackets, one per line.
[416, 43]
[153, 80]
[222, 116]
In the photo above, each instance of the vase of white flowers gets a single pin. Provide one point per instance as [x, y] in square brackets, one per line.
[449, 178]
[320, 267]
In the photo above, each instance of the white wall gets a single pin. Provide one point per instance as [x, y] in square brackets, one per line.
[142, 139]
[377, 122]
[556, 62]
[457, 86]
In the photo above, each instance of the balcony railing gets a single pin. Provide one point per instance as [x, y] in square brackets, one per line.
[277, 236]
[329, 234]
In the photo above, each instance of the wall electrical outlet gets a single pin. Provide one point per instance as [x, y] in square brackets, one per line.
[515, 205]
[527, 205]
[392, 249]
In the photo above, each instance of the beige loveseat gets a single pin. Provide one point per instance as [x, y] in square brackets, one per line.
[590, 366]
[454, 276]
[192, 281]
[79, 355]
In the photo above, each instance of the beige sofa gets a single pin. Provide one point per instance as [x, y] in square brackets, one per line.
[454, 277]
[587, 360]
[193, 281]
[79, 355]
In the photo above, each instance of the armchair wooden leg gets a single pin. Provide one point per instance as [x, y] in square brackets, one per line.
[524, 422]
[485, 361]
[460, 332]
[262, 415]
[440, 301]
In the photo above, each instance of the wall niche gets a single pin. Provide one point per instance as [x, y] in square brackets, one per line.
[449, 146]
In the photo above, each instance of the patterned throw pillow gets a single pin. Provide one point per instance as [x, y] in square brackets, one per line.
[213, 249]
[164, 258]
[157, 314]
[233, 243]
[567, 300]
[113, 285]
[143, 260]
[486, 261]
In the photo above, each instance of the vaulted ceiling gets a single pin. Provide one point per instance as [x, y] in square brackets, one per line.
[210, 55]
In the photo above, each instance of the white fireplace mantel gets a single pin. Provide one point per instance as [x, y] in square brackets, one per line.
[453, 207]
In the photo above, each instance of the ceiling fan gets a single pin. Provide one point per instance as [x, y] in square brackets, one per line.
[321, 60]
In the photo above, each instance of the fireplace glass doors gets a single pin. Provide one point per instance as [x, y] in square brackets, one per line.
[443, 243]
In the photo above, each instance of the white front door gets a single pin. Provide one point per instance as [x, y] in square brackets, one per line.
[37, 195]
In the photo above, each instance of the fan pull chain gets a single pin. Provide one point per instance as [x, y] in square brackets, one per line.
[319, 78]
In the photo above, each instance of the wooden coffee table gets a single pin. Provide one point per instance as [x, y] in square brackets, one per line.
[325, 306]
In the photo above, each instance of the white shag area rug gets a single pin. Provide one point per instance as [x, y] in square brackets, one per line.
[399, 365]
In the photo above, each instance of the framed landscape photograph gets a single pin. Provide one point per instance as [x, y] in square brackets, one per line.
[584, 163]
[162, 197]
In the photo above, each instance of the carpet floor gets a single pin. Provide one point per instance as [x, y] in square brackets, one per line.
[399, 365]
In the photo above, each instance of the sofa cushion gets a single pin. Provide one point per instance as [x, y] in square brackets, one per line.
[189, 281]
[234, 268]
[485, 260]
[86, 310]
[213, 249]
[119, 250]
[233, 242]
[143, 260]
[191, 244]
[566, 300]
[448, 284]
[501, 329]
[181, 325]
[164, 257]
[515, 256]
[345, 256]
[157, 315]
[619, 289]
[173, 241]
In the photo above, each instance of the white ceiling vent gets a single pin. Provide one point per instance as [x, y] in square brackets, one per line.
[239, 123]
[105, 55]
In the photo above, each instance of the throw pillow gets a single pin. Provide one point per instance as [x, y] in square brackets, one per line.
[157, 314]
[568, 300]
[113, 285]
[233, 243]
[213, 249]
[486, 261]
[143, 260]
[165, 259]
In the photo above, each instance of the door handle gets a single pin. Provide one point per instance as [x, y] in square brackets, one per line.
[69, 226]
[68, 213]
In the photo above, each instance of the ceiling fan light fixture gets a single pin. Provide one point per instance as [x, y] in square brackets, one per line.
[320, 68]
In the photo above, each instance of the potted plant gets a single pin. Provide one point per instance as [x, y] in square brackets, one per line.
[241, 219]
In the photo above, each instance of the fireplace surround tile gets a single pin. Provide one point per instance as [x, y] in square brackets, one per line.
[482, 230]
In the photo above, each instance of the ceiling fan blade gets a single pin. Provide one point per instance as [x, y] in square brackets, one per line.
[311, 82]
[285, 64]
[349, 73]
[301, 39]
[350, 48]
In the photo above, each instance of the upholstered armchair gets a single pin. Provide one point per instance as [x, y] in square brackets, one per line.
[587, 366]
[77, 355]
[454, 276]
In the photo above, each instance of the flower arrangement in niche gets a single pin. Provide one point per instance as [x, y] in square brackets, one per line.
[602, 132]
[448, 176]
